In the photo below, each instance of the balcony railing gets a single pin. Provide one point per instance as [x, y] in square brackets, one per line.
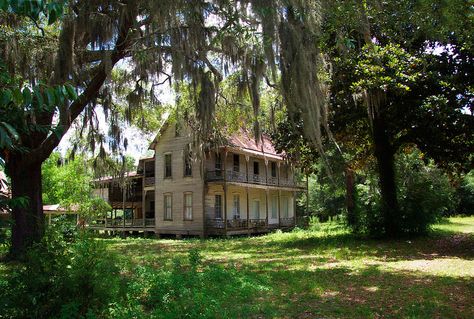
[242, 177]
[149, 181]
[241, 224]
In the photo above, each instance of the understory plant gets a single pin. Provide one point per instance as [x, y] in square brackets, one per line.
[424, 195]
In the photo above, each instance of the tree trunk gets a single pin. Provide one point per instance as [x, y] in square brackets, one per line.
[384, 153]
[28, 220]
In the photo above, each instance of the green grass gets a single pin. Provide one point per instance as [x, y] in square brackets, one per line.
[323, 273]
[329, 273]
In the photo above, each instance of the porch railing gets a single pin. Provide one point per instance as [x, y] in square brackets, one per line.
[150, 181]
[120, 223]
[242, 177]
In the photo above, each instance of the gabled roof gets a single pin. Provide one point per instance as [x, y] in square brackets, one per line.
[242, 140]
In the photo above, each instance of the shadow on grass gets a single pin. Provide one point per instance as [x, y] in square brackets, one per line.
[372, 292]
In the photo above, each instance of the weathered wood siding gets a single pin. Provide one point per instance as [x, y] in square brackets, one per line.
[177, 185]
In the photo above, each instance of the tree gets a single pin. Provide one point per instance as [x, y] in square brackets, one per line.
[411, 95]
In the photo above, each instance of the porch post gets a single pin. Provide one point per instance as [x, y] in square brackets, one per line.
[248, 210]
[225, 207]
[266, 207]
[294, 208]
[266, 171]
[279, 207]
[225, 193]
[144, 204]
[247, 159]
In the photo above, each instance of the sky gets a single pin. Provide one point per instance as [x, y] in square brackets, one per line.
[138, 142]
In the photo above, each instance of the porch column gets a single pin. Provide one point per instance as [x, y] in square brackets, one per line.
[278, 173]
[248, 210]
[225, 207]
[279, 206]
[266, 171]
[294, 208]
[247, 159]
[266, 207]
[144, 204]
[225, 192]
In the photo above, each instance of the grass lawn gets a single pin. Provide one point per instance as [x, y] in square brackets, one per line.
[327, 273]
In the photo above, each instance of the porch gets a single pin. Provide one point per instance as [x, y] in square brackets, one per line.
[233, 209]
[217, 226]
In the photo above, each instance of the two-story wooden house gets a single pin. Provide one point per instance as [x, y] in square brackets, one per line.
[241, 187]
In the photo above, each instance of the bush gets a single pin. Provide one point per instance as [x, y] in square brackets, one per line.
[61, 279]
[465, 195]
[424, 195]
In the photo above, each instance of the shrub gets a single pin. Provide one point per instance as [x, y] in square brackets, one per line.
[465, 195]
[63, 279]
[424, 195]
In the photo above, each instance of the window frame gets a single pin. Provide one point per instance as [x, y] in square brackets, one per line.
[236, 208]
[166, 155]
[185, 206]
[187, 162]
[165, 207]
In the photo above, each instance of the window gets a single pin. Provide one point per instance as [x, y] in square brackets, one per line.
[236, 163]
[168, 200]
[188, 167]
[167, 165]
[218, 206]
[218, 165]
[256, 168]
[188, 206]
[256, 209]
[152, 206]
[274, 207]
[236, 207]
[274, 169]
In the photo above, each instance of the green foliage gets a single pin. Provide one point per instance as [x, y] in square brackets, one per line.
[465, 194]
[70, 185]
[61, 279]
[53, 9]
[424, 193]
[385, 68]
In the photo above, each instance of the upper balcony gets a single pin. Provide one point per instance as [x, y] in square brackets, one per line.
[242, 177]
